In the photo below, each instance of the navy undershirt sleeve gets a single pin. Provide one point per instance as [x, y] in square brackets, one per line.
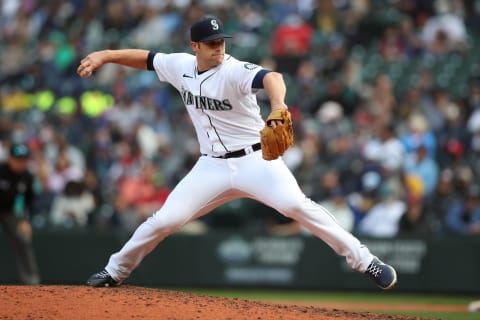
[151, 55]
[257, 82]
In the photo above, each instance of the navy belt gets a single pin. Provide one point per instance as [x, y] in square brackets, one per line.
[241, 152]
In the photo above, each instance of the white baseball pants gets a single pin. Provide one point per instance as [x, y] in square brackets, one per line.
[213, 182]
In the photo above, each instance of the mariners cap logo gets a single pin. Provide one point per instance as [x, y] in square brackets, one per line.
[206, 29]
[214, 24]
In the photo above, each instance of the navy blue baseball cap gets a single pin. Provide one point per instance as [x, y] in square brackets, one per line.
[19, 150]
[206, 29]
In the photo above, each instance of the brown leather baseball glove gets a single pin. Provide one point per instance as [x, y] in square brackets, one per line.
[276, 140]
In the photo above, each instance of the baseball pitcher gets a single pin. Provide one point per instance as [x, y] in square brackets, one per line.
[240, 152]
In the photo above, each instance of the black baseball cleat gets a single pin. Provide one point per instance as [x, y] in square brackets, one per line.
[382, 274]
[102, 279]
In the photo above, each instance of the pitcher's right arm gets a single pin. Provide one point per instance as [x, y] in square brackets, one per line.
[134, 58]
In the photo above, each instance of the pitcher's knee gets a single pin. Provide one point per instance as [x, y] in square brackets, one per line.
[292, 208]
[165, 222]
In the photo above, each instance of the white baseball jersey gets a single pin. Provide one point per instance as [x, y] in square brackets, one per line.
[224, 111]
[221, 102]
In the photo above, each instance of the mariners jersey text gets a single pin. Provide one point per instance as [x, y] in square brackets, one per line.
[206, 103]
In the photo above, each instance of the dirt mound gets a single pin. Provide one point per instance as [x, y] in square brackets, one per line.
[130, 302]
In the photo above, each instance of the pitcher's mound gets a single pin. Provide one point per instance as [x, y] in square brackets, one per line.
[130, 302]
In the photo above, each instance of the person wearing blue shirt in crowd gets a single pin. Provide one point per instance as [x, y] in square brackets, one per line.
[424, 167]
[463, 216]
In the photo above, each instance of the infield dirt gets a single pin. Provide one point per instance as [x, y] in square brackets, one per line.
[131, 302]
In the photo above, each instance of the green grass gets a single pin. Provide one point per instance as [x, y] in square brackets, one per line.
[356, 297]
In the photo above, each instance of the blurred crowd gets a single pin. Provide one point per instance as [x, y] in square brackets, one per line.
[385, 97]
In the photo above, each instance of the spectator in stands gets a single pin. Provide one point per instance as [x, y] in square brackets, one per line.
[463, 216]
[337, 204]
[381, 102]
[63, 172]
[325, 19]
[93, 186]
[438, 109]
[367, 194]
[332, 121]
[338, 91]
[53, 143]
[415, 218]
[472, 100]
[333, 60]
[410, 38]
[342, 155]
[155, 26]
[473, 126]
[352, 75]
[436, 206]
[454, 137]
[454, 157]
[72, 207]
[418, 133]
[290, 43]
[444, 32]
[251, 20]
[329, 186]
[139, 194]
[385, 147]
[61, 145]
[306, 163]
[383, 218]
[127, 161]
[307, 80]
[392, 46]
[410, 104]
[125, 116]
[424, 167]
[42, 169]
